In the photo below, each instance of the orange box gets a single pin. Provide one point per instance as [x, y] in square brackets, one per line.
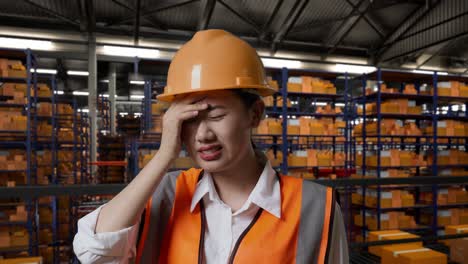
[388, 252]
[415, 256]
[324, 158]
[458, 250]
[454, 230]
[312, 158]
[463, 91]
[294, 87]
[297, 161]
[29, 260]
[390, 235]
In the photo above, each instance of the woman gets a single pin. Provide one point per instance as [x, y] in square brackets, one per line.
[236, 209]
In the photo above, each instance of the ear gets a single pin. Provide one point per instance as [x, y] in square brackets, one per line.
[257, 110]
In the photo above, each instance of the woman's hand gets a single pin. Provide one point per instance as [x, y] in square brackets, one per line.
[173, 119]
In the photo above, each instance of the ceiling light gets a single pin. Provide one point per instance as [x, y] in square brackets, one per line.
[78, 73]
[19, 43]
[137, 82]
[80, 93]
[45, 71]
[319, 103]
[280, 63]
[58, 92]
[356, 69]
[423, 72]
[130, 52]
[137, 96]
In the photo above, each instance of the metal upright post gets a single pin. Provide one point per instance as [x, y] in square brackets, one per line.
[29, 148]
[364, 149]
[112, 99]
[379, 142]
[284, 134]
[75, 143]
[435, 153]
[92, 88]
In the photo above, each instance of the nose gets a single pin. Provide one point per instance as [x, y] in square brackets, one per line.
[204, 133]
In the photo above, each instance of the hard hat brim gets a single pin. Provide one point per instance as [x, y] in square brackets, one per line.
[262, 91]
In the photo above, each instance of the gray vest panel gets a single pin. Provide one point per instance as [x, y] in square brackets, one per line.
[163, 200]
[311, 223]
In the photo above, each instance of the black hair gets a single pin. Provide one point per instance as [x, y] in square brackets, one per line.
[248, 99]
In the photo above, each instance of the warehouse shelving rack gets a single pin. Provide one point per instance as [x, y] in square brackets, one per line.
[418, 143]
[55, 144]
[32, 143]
[104, 105]
[284, 112]
[22, 140]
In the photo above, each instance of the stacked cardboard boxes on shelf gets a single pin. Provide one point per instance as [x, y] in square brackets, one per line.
[388, 198]
[392, 158]
[388, 220]
[182, 162]
[306, 84]
[12, 68]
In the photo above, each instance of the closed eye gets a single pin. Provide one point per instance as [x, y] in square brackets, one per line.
[217, 117]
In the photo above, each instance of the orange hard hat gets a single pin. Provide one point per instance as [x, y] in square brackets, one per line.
[215, 60]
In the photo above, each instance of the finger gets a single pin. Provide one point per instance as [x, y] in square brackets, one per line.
[188, 115]
[194, 107]
[192, 99]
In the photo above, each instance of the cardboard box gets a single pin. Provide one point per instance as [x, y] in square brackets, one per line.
[294, 87]
[387, 252]
[390, 235]
[459, 250]
[26, 260]
[415, 256]
[454, 230]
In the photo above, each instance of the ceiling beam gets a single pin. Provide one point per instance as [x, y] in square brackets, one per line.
[136, 32]
[376, 26]
[90, 14]
[459, 35]
[157, 25]
[337, 36]
[54, 13]
[293, 15]
[376, 6]
[333, 35]
[266, 26]
[207, 7]
[438, 49]
[242, 17]
[147, 13]
[81, 8]
[409, 22]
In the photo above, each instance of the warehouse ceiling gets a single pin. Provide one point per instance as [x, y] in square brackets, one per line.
[388, 31]
[421, 34]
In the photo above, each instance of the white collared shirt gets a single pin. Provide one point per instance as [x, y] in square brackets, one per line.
[224, 226]
[221, 222]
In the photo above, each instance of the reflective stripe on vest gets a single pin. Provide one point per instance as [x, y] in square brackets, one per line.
[172, 234]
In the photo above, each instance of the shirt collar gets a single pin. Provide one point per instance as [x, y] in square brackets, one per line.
[266, 193]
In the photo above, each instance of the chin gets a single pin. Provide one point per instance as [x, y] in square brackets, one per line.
[213, 166]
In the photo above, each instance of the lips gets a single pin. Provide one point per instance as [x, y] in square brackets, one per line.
[210, 153]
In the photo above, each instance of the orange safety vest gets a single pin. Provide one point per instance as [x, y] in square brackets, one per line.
[173, 234]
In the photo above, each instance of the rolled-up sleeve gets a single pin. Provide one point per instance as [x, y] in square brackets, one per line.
[109, 247]
[339, 245]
